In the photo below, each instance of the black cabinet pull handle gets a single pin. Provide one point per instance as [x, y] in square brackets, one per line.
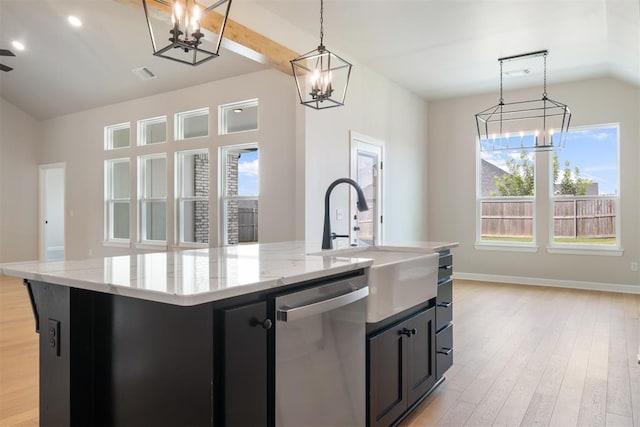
[408, 332]
[444, 304]
[445, 351]
[267, 324]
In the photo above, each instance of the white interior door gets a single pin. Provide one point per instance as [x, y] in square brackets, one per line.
[52, 212]
[366, 170]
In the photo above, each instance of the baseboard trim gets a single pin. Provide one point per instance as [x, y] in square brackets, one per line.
[554, 283]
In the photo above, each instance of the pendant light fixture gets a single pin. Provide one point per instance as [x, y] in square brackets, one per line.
[539, 124]
[185, 35]
[321, 76]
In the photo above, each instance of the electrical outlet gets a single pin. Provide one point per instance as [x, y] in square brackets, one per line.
[634, 266]
[54, 336]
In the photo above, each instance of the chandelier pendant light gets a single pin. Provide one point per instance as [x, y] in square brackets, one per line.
[321, 76]
[185, 34]
[539, 124]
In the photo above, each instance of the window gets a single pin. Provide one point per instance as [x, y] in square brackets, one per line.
[117, 136]
[240, 178]
[117, 199]
[192, 196]
[585, 193]
[153, 198]
[506, 195]
[238, 117]
[192, 124]
[152, 131]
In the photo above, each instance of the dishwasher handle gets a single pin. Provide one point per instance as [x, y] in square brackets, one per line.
[287, 314]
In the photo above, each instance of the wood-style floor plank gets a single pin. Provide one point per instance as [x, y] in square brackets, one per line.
[18, 356]
[538, 356]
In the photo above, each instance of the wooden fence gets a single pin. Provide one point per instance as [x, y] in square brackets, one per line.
[571, 218]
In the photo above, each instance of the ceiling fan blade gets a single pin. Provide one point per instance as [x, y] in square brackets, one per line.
[6, 52]
[5, 68]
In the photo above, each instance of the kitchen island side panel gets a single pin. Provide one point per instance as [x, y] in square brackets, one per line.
[108, 360]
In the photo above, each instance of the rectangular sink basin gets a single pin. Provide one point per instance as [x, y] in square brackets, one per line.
[400, 278]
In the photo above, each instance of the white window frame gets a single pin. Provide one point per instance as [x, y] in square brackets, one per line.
[505, 246]
[222, 115]
[180, 198]
[143, 199]
[108, 135]
[223, 197]
[142, 129]
[109, 202]
[178, 128]
[586, 248]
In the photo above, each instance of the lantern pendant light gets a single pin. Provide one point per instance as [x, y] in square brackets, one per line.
[539, 124]
[185, 35]
[321, 76]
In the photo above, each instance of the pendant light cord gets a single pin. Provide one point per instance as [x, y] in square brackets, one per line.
[544, 94]
[501, 97]
[321, 22]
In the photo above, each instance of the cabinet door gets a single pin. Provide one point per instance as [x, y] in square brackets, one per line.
[245, 366]
[421, 367]
[387, 373]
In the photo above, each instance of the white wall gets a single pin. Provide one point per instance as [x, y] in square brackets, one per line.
[77, 139]
[452, 184]
[388, 113]
[19, 135]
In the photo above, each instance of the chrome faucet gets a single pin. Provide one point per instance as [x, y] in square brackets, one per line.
[327, 235]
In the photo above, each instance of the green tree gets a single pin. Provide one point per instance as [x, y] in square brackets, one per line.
[519, 179]
[569, 186]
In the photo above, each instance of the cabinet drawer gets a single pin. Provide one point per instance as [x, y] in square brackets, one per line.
[444, 350]
[445, 260]
[444, 272]
[444, 306]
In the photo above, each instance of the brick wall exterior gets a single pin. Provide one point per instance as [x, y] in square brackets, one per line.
[201, 209]
[232, 205]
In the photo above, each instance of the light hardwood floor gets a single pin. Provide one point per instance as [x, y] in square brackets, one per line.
[18, 356]
[524, 355]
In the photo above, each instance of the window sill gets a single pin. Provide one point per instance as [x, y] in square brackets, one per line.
[506, 247]
[585, 250]
[116, 243]
[185, 245]
[152, 246]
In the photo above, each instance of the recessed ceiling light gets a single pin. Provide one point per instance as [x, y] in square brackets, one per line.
[17, 45]
[238, 110]
[74, 21]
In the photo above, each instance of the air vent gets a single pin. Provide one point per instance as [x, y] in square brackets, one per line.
[6, 52]
[144, 73]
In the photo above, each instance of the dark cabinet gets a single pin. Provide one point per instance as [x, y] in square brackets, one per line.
[244, 366]
[444, 314]
[401, 366]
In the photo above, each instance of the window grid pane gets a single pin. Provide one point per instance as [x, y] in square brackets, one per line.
[193, 200]
[152, 131]
[240, 204]
[117, 197]
[585, 188]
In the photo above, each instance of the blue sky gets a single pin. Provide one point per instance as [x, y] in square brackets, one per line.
[248, 174]
[593, 150]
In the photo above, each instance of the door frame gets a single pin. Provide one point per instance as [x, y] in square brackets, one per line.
[42, 169]
[361, 142]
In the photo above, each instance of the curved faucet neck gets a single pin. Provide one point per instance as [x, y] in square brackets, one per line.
[327, 239]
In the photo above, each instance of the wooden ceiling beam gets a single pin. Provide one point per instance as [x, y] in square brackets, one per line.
[237, 37]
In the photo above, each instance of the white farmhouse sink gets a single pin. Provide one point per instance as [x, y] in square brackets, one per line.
[399, 278]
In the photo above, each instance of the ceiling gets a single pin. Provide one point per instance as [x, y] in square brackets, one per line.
[435, 48]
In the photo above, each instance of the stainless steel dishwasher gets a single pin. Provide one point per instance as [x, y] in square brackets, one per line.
[320, 355]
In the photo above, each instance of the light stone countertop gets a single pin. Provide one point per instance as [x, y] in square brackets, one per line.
[197, 276]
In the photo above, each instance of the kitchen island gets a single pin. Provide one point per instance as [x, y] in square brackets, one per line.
[154, 339]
